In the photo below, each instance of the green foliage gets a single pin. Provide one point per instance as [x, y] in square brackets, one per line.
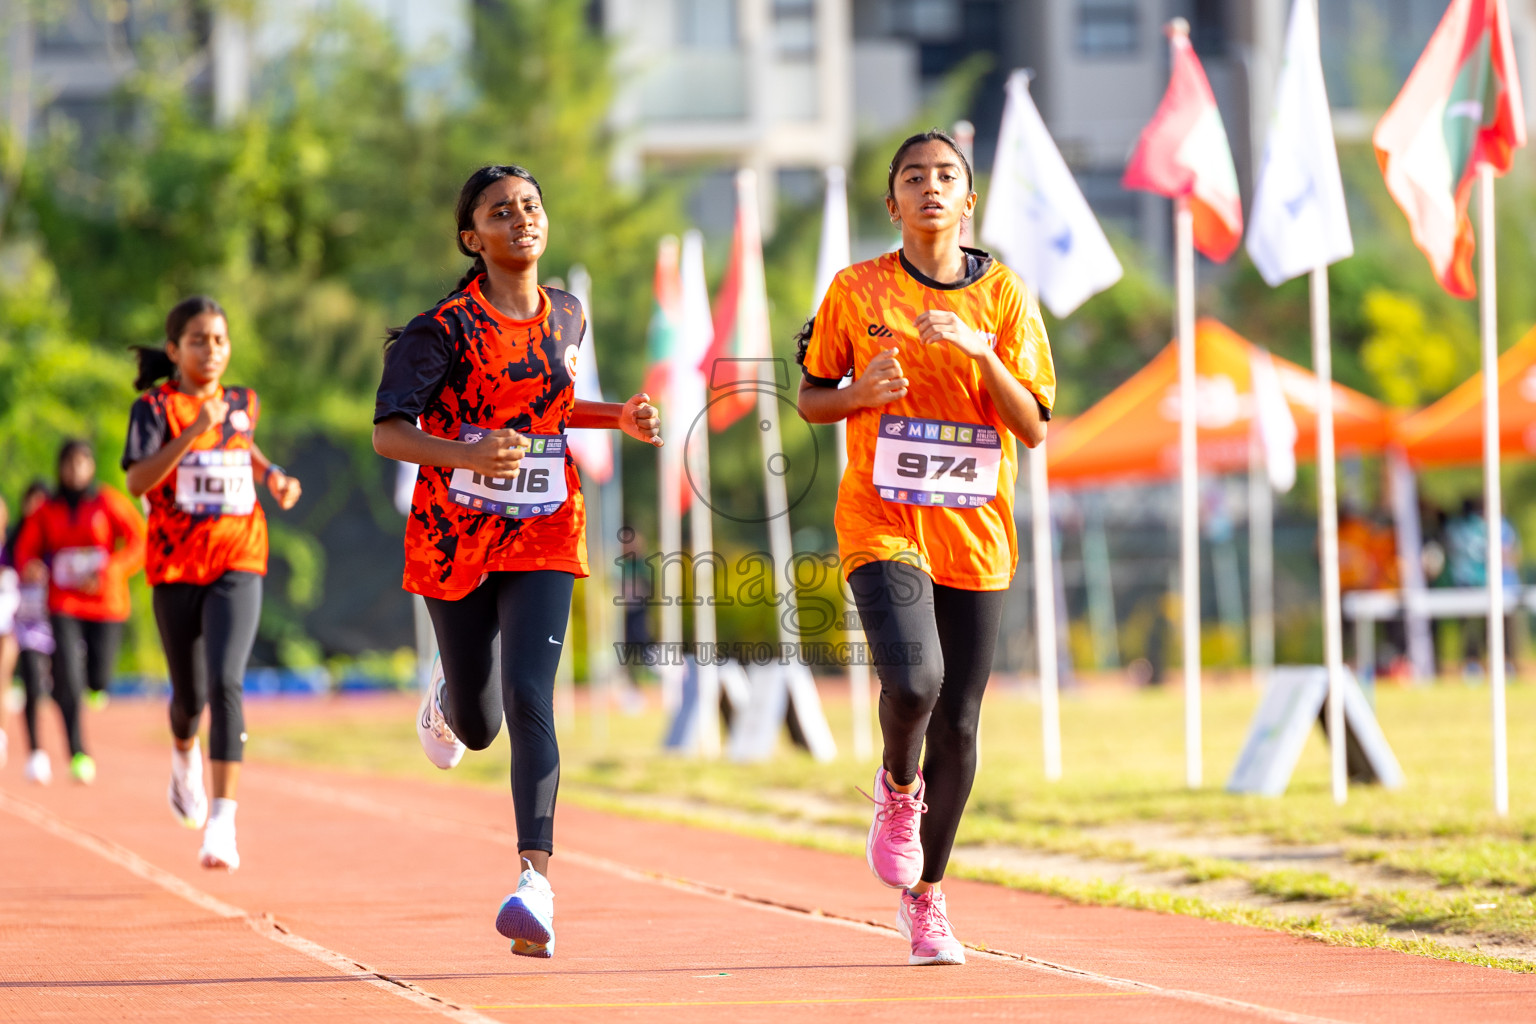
[57, 386]
[1406, 357]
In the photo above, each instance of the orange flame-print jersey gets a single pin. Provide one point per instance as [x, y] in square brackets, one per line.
[960, 528]
[464, 365]
[189, 543]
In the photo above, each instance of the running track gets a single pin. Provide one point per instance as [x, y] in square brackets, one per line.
[371, 900]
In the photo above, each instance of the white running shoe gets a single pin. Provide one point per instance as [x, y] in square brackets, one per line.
[442, 747]
[188, 799]
[527, 917]
[39, 769]
[219, 849]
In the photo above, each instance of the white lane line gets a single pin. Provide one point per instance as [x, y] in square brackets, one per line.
[263, 925]
[367, 805]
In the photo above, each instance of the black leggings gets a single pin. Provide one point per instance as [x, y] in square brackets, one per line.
[84, 654]
[932, 648]
[32, 666]
[207, 631]
[529, 611]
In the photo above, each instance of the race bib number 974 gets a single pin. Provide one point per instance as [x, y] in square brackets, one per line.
[537, 490]
[936, 462]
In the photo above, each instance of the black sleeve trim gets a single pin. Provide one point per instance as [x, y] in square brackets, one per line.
[820, 382]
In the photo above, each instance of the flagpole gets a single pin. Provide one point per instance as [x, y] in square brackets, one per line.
[834, 246]
[860, 705]
[1045, 612]
[775, 462]
[1328, 532]
[1493, 502]
[669, 530]
[1189, 486]
[695, 303]
[1261, 560]
[595, 592]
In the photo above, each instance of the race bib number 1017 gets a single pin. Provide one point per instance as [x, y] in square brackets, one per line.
[537, 490]
[935, 462]
[216, 481]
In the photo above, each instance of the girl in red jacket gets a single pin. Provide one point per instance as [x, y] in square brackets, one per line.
[85, 541]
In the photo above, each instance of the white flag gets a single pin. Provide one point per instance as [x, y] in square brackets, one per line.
[698, 334]
[1273, 419]
[592, 449]
[836, 250]
[1298, 221]
[1037, 217]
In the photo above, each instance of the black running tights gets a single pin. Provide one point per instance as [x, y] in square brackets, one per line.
[32, 666]
[84, 654]
[515, 677]
[207, 631]
[932, 647]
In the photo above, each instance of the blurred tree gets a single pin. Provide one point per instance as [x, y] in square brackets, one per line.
[1408, 359]
[322, 215]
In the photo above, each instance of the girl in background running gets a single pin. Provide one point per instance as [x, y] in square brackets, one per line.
[84, 541]
[34, 637]
[950, 363]
[10, 602]
[192, 450]
[496, 534]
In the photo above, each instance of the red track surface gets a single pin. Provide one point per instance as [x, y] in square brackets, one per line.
[371, 900]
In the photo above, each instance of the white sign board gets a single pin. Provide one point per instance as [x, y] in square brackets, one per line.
[1292, 702]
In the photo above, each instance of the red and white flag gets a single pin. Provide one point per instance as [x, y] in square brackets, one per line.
[1460, 108]
[1183, 151]
[741, 343]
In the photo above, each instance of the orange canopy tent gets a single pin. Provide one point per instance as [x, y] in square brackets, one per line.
[1451, 430]
[1133, 433]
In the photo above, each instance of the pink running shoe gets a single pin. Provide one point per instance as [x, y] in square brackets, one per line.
[894, 849]
[922, 921]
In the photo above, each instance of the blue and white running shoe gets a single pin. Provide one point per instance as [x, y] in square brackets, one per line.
[527, 917]
[438, 742]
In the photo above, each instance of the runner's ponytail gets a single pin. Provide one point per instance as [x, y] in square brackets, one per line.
[469, 198]
[154, 366]
[803, 340]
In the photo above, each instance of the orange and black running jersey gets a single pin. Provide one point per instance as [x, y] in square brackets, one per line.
[190, 540]
[464, 366]
[930, 476]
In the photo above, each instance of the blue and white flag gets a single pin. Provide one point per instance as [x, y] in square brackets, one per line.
[1037, 218]
[1298, 221]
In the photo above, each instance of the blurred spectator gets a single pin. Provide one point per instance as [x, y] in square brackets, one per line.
[1466, 544]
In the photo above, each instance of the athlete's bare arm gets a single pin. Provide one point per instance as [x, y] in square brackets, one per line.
[147, 473]
[881, 383]
[1016, 407]
[286, 489]
[497, 454]
[637, 417]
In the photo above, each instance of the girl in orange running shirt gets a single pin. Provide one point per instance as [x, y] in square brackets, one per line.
[192, 455]
[479, 391]
[950, 363]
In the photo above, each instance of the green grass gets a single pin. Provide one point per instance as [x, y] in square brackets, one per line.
[1472, 872]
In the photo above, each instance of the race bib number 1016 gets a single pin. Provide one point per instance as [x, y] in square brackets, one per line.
[936, 462]
[537, 490]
